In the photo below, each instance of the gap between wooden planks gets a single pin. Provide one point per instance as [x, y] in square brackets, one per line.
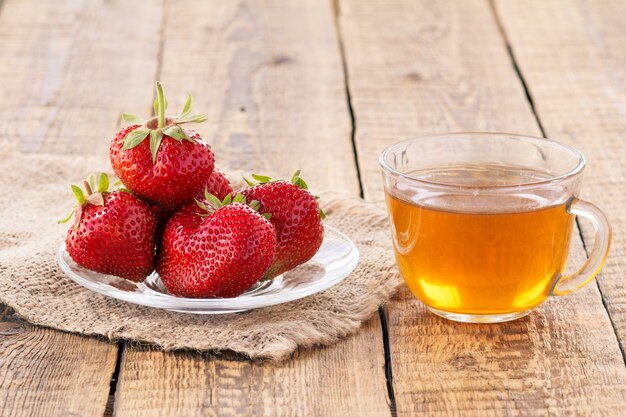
[423, 67]
[65, 68]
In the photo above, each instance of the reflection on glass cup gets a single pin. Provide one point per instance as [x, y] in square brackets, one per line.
[481, 223]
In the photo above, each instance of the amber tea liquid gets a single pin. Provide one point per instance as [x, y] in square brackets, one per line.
[480, 253]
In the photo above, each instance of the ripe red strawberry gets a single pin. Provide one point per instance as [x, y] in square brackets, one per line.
[296, 216]
[215, 248]
[162, 215]
[113, 232]
[219, 185]
[158, 160]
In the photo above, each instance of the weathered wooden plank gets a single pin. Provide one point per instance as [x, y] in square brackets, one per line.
[324, 382]
[69, 69]
[269, 75]
[424, 67]
[66, 69]
[575, 67]
[49, 373]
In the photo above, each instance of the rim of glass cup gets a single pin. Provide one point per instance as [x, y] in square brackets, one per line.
[580, 166]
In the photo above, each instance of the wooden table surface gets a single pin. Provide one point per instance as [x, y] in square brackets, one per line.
[324, 86]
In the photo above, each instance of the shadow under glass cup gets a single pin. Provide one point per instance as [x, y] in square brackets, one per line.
[481, 223]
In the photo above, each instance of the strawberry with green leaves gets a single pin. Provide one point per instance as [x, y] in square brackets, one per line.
[113, 232]
[158, 160]
[295, 214]
[215, 248]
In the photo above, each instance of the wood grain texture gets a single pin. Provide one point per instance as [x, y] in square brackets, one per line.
[576, 70]
[269, 75]
[69, 69]
[424, 67]
[49, 373]
[417, 68]
[333, 381]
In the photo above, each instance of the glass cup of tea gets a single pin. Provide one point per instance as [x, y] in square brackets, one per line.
[481, 223]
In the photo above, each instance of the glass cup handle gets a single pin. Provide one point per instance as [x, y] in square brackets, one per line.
[570, 283]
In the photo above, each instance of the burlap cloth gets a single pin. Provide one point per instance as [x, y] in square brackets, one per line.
[35, 194]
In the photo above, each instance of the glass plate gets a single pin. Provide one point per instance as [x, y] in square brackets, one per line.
[336, 258]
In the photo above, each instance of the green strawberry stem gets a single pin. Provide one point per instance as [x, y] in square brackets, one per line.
[295, 180]
[159, 126]
[88, 189]
[88, 196]
[214, 203]
[160, 104]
